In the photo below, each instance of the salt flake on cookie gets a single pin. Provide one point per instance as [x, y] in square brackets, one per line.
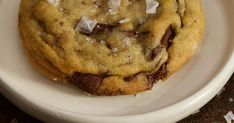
[54, 2]
[151, 6]
[86, 25]
[113, 6]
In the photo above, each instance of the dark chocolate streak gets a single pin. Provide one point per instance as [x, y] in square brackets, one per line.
[90, 83]
[100, 28]
[168, 36]
[158, 75]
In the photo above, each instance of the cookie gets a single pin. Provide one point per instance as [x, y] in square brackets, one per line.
[110, 47]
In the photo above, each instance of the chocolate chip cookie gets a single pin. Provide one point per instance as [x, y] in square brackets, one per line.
[110, 47]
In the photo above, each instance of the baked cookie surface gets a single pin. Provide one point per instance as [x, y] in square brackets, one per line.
[110, 47]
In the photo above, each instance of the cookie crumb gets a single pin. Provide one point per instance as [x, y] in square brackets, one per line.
[136, 95]
[229, 117]
[231, 100]
[114, 6]
[54, 2]
[151, 6]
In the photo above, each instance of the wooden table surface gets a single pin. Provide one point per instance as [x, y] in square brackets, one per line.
[213, 112]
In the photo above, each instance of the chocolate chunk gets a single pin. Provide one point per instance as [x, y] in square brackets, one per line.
[158, 75]
[86, 82]
[168, 37]
[152, 77]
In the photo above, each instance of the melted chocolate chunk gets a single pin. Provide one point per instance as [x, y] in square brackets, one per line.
[158, 75]
[168, 36]
[86, 82]
[152, 77]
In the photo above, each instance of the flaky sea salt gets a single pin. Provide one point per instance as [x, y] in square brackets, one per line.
[127, 42]
[86, 25]
[103, 42]
[124, 20]
[97, 4]
[114, 50]
[89, 40]
[229, 117]
[113, 6]
[151, 6]
[142, 20]
[54, 2]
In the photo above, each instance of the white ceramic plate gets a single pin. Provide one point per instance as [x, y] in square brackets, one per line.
[188, 90]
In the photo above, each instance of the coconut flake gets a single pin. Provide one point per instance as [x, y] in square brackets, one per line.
[229, 117]
[54, 2]
[86, 25]
[113, 6]
[151, 6]
[124, 20]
